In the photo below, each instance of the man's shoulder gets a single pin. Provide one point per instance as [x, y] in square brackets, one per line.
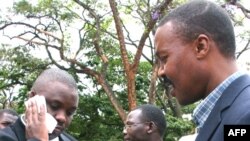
[7, 134]
[239, 86]
[12, 132]
[238, 102]
[67, 137]
[243, 84]
[245, 79]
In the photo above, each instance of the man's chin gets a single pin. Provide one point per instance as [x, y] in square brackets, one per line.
[126, 139]
[53, 135]
[57, 131]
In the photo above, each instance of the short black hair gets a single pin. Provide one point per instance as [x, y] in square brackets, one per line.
[204, 17]
[153, 113]
[52, 75]
[8, 111]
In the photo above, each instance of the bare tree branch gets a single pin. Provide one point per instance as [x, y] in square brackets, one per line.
[244, 49]
[245, 11]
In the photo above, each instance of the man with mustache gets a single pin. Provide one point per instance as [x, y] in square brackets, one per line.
[195, 48]
[59, 89]
[145, 123]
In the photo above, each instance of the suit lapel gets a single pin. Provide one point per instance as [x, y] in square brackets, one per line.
[62, 137]
[226, 99]
[19, 129]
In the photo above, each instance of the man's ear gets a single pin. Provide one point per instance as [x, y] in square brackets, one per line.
[202, 46]
[151, 127]
[32, 94]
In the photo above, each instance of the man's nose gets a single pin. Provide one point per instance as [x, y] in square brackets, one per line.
[124, 130]
[160, 71]
[61, 116]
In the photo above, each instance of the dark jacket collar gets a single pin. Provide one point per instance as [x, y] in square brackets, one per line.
[19, 130]
[227, 98]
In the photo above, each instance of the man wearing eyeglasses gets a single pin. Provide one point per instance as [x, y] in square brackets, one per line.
[145, 123]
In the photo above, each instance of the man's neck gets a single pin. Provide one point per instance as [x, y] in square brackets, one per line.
[155, 138]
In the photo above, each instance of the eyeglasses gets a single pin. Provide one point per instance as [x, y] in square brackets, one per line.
[127, 126]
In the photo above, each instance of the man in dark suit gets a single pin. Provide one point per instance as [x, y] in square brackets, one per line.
[59, 89]
[195, 48]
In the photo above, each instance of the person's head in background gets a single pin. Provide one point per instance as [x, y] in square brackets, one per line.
[195, 48]
[60, 91]
[145, 123]
[7, 117]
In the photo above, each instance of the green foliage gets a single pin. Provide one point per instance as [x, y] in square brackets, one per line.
[18, 69]
[23, 7]
[189, 108]
[177, 127]
[95, 119]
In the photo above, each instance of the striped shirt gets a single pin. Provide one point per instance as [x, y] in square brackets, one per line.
[202, 111]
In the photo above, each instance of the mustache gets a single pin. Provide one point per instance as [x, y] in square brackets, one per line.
[167, 82]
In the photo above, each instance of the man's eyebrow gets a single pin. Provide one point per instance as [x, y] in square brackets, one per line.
[6, 122]
[129, 122]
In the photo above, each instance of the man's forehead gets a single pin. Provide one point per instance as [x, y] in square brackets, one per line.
[163, 34]
[7, 116]
[135, 114]
[168, 26]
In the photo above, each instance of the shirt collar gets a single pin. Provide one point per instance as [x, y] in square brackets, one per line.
[202, 111]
